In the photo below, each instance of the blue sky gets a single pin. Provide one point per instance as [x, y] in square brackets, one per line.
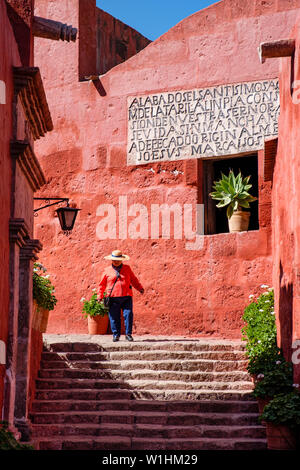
[152, 18]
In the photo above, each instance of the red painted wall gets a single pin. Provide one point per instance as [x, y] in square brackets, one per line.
[16, 42]
[116, 42]
[286, 208]
[186, 292]
[8, 57]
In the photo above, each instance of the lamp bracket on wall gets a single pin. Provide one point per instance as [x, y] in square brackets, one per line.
[66, 215]
[46, 199]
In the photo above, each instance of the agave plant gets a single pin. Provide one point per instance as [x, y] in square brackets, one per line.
[232, 191]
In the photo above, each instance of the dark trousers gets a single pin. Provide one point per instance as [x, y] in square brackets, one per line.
[116, 304]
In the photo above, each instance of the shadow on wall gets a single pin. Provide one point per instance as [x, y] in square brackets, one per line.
[286, 316]
[99, 87]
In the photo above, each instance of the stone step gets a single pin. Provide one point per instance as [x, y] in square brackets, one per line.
[148, 430]
[157, 393]
[154, 394]
[83, 443]
[142, 374]
[199, 444]
[148, 355]
[141, 384]
[237, 406]
[126, 443]
[95, 343]
[84, 394]
[167, 365]
[142, 417]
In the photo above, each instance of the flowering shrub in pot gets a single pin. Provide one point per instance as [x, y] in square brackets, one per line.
[278, 399]
[259, 331]
[260, 335]
[96, 313]
[266, 364]
[43, 296]
[282, 416]
[275, 381]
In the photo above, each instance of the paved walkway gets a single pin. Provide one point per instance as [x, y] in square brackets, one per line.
[107, 339]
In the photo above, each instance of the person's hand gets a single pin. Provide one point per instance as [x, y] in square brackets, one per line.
[142, 291]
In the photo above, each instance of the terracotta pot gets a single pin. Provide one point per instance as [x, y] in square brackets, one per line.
[280, 437]
[262, 402]
[239, 221]
[97, 325]
[40, 318]
[35, 317]
[44, 320]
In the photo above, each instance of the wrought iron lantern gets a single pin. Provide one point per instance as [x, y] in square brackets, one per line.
[66, 215]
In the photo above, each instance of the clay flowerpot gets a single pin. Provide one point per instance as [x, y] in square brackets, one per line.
[40, 318]
[239, 221]
[44, 320]
[262, 402]
[280, 437]
[97, 325]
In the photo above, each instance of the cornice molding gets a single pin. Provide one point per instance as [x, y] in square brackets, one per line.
[22, 151]
[29, 87]
[18, 232]
[30, 250]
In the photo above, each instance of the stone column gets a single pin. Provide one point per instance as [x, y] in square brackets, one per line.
[18, 233]
[28, 254]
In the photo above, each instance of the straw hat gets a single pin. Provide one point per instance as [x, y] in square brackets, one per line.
[117, 255]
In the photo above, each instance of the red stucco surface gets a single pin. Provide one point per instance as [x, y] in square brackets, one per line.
[186, 292]
[8, 57]
[116, 41]
[16, 43]
[286, 208]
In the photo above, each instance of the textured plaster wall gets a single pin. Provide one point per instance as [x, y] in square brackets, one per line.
[8, 58]
[16, 50]
[286, 209]
[186, 292]
[116, 42]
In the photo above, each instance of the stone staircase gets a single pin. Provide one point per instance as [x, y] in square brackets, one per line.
[152, 394]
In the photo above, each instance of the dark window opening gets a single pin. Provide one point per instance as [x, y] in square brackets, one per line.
[215, 219]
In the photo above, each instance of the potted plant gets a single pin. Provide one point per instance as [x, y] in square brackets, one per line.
[277, 380]
[260, 333]
[262, 351]
[8, 440]
[96, 313]
[232, 191]
[282, 416]
[44, 299]
[266, 369]
[279, 403]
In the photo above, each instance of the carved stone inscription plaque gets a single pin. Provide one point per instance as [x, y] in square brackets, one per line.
[206, 122]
